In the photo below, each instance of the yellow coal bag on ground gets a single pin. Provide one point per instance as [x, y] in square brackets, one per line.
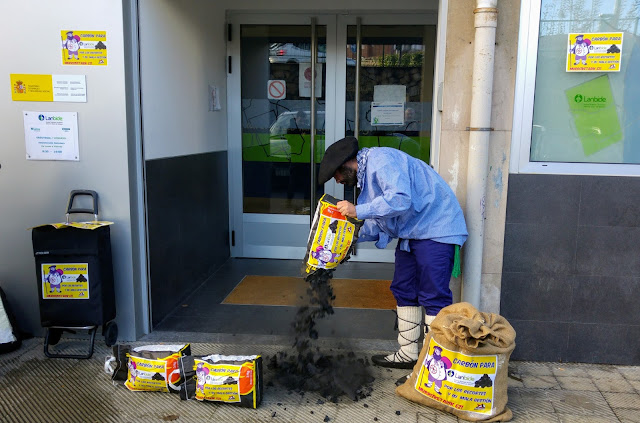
[331, 236]
[150, 367]
[463, 366]
[222, 378]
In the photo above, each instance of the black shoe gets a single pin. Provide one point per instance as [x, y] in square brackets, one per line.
[381, 360]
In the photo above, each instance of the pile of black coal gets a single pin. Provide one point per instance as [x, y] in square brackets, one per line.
[484, 382]
[613, 49]
[307, 368]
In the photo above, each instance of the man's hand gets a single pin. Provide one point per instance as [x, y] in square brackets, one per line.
[347, 209]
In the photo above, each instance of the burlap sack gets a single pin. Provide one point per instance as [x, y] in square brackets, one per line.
[463, 365]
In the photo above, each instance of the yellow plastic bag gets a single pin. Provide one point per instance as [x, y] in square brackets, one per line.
[223, 378]
[331, 236]
[154, 368]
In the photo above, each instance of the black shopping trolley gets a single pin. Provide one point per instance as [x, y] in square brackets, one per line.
[75, 277]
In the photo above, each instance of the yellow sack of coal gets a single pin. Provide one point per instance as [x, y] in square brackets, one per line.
[331, 236]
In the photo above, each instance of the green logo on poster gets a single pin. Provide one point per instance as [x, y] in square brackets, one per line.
[578, 98]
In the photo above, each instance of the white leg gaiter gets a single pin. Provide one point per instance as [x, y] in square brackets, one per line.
[427, 323]
[409, 319]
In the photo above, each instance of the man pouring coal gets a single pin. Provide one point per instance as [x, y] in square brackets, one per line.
[402, 197]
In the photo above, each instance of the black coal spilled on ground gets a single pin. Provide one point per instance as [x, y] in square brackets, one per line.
[306, 368]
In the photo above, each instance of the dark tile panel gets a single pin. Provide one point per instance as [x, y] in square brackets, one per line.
[537, 248]
[573, 281]
[544, 297]
[187, 208]
[543, 199]
[610, 201]
[540, 341]
[603, 343]
[608, 251]
[606, 300]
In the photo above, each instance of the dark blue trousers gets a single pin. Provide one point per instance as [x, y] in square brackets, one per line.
[421, 276]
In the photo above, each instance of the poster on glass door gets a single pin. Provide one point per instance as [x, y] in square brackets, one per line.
[594, 52]
[304, 78]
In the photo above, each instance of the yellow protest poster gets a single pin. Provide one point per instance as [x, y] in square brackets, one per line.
[69, 281]
[594, 52]
[88, 48]
[458, 380]
[27, 87]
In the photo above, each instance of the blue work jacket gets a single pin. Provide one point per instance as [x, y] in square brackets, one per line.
[403, 197]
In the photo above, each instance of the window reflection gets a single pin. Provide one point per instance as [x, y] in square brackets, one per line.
[400, 56]
[587, 117]
[276, 129]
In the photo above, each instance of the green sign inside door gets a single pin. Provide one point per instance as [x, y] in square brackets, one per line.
[594, 114]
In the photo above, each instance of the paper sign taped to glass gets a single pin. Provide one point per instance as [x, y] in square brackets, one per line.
[594, 52]
[594, 114]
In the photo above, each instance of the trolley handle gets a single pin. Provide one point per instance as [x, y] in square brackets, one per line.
[93, 211]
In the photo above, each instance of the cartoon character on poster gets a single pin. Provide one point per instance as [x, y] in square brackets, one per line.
[324, 256]
[72, 44]
[54, 278]
[581, 49]
[437, 364]
[201, 375]
[133, 371]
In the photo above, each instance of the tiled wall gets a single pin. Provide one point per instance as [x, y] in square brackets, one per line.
[571, 272]
[188, 220]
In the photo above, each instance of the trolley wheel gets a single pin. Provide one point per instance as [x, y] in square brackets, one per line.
[110, 331]
[53, 336]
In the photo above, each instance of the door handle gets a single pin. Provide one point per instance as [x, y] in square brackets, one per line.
[312, 155]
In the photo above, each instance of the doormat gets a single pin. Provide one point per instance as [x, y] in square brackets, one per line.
[291, 291]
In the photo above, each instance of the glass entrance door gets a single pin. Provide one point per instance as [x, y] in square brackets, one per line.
[393, 91]
[277, 116]
[281, 118]
[278, 90]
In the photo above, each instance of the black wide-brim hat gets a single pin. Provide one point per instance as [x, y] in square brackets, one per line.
[336, 155]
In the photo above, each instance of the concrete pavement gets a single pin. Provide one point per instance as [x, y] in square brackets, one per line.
[34, 388]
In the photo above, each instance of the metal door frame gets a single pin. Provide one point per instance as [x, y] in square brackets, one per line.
[336, 38]
[386, 255]
[237, 218]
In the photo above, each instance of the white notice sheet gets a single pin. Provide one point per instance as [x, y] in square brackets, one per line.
[51, 135]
